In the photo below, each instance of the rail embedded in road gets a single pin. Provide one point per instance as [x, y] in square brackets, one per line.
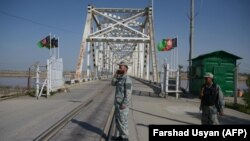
[55, 129]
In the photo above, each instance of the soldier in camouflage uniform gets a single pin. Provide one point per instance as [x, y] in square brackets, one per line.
[123, 93]
[212, 102]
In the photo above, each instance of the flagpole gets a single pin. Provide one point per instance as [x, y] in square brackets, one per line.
[50, 45]
[171, 63]
[49, 67]
[174, 57]
[191, 43]
[50, 64]
[54, 50]
[58, 47]
[177, 54]
[173, 52]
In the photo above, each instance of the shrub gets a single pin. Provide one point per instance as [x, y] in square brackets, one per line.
[238, 107]
[247, 98]
[247, 93]
[248, 81]
[31, 93]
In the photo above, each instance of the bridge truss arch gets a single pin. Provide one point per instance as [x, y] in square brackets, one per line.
[112, 35]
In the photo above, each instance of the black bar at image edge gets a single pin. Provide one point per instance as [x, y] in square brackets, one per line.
[199, 132]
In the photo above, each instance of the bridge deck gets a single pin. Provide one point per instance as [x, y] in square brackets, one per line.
[26, 118]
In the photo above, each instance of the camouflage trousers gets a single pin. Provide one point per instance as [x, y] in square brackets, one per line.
[209, 115]
[121, 119]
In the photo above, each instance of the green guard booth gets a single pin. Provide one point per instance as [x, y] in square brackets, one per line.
[222, 64]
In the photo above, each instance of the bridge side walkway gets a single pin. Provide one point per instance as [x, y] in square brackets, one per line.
[149, 109]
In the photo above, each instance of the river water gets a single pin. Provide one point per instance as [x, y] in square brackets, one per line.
[15, 81]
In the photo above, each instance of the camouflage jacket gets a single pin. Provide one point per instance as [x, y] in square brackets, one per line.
[123, 89]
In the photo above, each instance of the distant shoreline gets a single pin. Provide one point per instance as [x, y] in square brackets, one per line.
[10, 73]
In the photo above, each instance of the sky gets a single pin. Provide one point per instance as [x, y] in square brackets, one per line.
[219, 25]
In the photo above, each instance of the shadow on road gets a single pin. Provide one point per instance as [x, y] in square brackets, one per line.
[184, 122]
[226, 119]
[89, 127]
[144, 93]
[194, 114]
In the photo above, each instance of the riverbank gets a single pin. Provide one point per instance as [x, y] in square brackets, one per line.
[13, 73]
[7, 91]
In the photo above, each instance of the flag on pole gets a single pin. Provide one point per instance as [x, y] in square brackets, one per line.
[171, 43]
[44, 42]
[54, 43]
[161, 45]
[167, 44]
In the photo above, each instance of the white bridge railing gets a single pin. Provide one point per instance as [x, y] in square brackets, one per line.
[170, 81]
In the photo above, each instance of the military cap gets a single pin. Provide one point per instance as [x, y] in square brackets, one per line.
[208, 74]
[122, 63]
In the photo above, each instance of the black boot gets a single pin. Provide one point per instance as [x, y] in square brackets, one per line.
[114, 138]
[126, 139]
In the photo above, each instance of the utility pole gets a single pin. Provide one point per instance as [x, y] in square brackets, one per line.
[191, 42]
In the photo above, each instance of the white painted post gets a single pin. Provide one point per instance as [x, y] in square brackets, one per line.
[177, 53]
[37, 80]
[167, 78]
[163, 76]
[58, 47]
[177, 84]
[48, 77]
[49, 61]
[164, 79]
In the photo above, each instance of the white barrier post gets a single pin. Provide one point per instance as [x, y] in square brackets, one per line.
[167, 79]
[177, 84]
[37, 80]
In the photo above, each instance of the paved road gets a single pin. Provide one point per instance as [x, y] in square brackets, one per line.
[89, 124]
[25, 118]
[147, 109]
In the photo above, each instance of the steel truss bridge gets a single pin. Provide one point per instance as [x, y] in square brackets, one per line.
[112, 35]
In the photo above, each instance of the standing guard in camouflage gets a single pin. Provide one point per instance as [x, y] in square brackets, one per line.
[212, 102]
[123, 93]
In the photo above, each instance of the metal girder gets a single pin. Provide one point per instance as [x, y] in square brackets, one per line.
[120, 10]
[152, 46]
[118, 40]
[97, 22]
[119, 34]
[86, 32]
[117, 22]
